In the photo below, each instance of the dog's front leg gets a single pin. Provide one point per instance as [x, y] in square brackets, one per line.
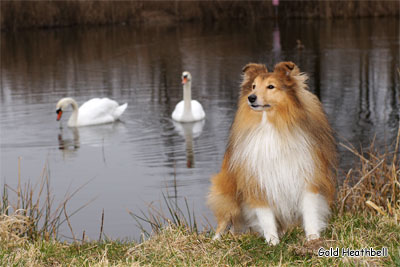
[315, 211]
[267, 222]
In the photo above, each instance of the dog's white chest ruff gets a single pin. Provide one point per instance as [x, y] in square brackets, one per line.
[281, 162]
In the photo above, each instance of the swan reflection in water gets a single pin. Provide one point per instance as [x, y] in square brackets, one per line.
[68, 145]
[189, 131]
[70, 139]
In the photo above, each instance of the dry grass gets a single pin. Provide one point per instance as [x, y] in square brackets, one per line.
[28, 212]
[373, 184]
[158, 219]
[178, 247]
[13, 229]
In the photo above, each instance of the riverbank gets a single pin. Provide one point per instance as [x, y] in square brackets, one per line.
[47, 14]
[176, 246]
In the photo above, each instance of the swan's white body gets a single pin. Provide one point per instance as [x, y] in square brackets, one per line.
[188, 110]
[95, 111]
[196, 114]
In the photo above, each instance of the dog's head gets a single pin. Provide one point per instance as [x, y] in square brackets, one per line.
[272, 91]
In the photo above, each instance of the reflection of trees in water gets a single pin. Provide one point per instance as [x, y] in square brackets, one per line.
[351, 63]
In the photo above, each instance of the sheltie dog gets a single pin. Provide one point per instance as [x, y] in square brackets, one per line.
[278, 168]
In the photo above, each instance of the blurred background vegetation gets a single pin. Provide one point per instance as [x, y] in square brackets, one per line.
[18, 14]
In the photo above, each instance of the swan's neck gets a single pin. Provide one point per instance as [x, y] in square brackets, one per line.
[73, 120]
[187, 98]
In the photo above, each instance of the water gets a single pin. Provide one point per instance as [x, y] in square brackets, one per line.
[351, 63]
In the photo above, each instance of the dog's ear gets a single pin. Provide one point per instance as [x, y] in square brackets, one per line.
[250, 72]
[252, 69]
[291, 74]
[287, 68]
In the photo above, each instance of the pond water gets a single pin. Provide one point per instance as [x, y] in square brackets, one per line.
[352, 66]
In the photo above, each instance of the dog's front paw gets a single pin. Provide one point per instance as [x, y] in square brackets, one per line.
[216, 236]
[271, 239]
[312, 237]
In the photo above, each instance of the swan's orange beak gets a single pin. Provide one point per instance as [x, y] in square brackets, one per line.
[59, 114]
[184, 80]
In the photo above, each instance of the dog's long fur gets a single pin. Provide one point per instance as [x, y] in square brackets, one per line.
[278, 168]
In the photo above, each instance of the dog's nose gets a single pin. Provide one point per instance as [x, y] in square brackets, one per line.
[252, 98]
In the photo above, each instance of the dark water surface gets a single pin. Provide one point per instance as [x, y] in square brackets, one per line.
[352, 66]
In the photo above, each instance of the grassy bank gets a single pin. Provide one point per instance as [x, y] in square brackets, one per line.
[178, 246]
[27, 14]
[366, 215]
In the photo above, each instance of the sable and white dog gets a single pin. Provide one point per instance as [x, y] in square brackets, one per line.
[278, 169]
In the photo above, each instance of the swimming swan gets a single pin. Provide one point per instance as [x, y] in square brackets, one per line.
[188, 110]
[94, 111]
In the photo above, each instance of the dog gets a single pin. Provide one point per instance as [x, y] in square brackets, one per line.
[279, 166]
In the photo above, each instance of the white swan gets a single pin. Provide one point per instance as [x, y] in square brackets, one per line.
[94, 111]
[188, 110]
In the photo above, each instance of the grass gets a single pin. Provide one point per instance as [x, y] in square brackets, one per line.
[367, 215]
[373, 183]
[177, 246]
[156, 218]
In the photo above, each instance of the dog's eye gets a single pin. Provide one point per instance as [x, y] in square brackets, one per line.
[270, 87]
[254, 86]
